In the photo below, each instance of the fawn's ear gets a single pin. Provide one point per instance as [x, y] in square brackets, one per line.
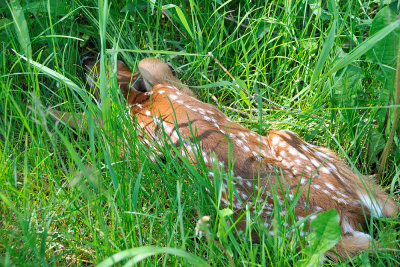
[156, 71]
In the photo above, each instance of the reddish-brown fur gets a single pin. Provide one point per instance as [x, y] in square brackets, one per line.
[260, 163]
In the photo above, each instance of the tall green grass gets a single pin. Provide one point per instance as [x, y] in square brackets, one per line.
[314, 67]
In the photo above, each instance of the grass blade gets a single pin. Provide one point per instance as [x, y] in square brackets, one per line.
[21, 27]
[326, 48]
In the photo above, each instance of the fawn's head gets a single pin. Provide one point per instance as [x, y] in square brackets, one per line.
[156, 71]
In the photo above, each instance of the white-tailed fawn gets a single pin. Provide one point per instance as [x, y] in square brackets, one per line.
[258, 163]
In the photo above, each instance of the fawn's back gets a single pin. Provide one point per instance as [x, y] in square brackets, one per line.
[280, 162]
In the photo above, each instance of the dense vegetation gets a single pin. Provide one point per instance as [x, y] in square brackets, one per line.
[323, 69]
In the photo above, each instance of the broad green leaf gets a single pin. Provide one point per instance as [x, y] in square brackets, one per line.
[183, 20]
[385, 51]
[242, 94]
[376, 145]
[326, 231]
[346, 86]
[223, 225]
[326, 234]
[4, 24]
[318, 10]
[364, 47]
[57, 7]
[225, 212]
[21, 27]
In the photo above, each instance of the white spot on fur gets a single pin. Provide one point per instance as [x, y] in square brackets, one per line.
[301, 155]
[148, 113]
[325, 170]
[156, 120]
[330, 186]
[173, 97]
[372, 205]
[341, 194]
[298, 162]
[340, 200]
[315, 163]
[171, 87]
[205, 157]
[333, 167]
[137, 105]
[207, 118]
[239, 142]
[321, 155]
[238, 205]
[316, 186]
[303, 146]
[292, 151]
[287, 163]
[275, 140]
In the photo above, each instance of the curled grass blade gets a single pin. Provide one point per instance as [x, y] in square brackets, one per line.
[139, 254]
